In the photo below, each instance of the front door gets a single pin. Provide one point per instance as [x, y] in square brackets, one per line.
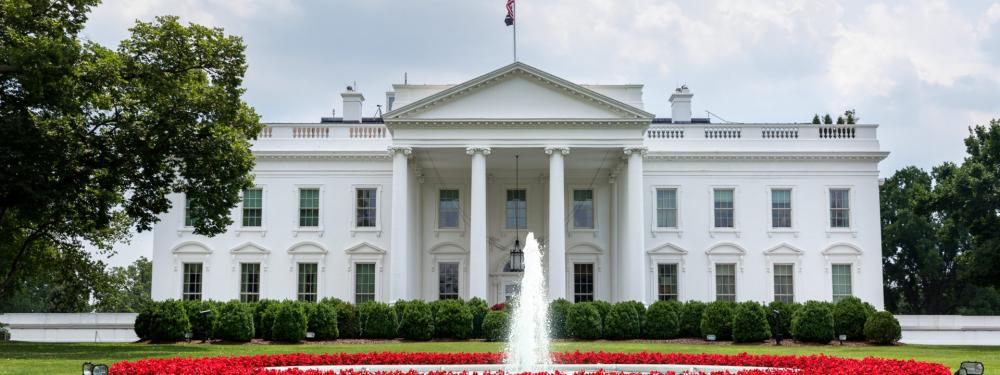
[509, 287]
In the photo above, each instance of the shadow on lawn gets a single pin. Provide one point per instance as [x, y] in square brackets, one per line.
[81, 351]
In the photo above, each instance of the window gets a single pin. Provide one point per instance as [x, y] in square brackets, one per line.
[448, 206]
[583, 209]
[308, 207]
[364, 282]
[841, 281]
[784, 289]
[840, 208]
[367, 204]
[517, 209]
[308, 281]
[583, 282]
[781, 208]
[253, 207]
[724, 208]
[666, 208]
[666, 281]
[188, 219]
[191, 288]
[725, 282]
[448, 280]
[249, 282]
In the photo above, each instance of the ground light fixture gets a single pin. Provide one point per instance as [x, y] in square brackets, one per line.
[970, 368]
[710, 337]
[842, 337]
[310, 335]
[94, 369]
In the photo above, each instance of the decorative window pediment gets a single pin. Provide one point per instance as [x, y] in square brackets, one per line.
[191, 247]
[784, 249]
[584, 248]
[364, 248]
[307, 247]
[667, 249]
[843, 248]
[726, 248]
[249, 248]
[448, 248]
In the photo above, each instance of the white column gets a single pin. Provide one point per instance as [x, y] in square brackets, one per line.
[479, 272]
[399, 240]
[613, 238]
[634, 257]
[557, 222]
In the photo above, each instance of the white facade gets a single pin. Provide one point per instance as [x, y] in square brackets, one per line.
[803, 197]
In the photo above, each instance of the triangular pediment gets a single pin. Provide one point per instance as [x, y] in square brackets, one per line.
[517, 91]
[249, 248]
[784, 249]
[364, 248]
[667, 249]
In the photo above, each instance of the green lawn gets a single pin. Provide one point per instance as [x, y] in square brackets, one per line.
[32, 358]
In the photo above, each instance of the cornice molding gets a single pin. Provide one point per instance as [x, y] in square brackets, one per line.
[325, 155]
[769, 156]
[516, 123]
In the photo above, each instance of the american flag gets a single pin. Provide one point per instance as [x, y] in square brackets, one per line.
[509, 20]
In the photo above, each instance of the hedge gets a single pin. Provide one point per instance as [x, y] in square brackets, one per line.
[813, 323]
[557, 318]
[163, 321]
[322, 319]
[204, 319]
[347, 318]
[750, 323]
[235, 322]
[663, 320]
[603, 308]
[690, 319]
[262, 328]
[478, 307]
[882, 328]
[289, 322]
[849, 317]
[378, 320]
[783, 322]
[453, 319]
[717, 320]
[623, 322]
[417, 322]
[583, 321]
[496, 325]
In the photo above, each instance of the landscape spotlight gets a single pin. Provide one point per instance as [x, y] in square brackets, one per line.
[710, 337]
[842, 338]
[88, 368]
[100, 369]
[970, 368]
[310, 335]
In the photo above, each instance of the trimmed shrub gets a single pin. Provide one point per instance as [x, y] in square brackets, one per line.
[478, 307]
[144, 321]
[623, 322]
[289, 322]
[557, 318]
[603, 308]
[750, 323]
[882, 328]
[347, 318]
[267, 320]
[204, 318]
[378, 320]
[417, 322]
[169, 322]
[262, 329]
[813, 323]
[783, 324]
[690, 319]
[663, 320]
[583, 321]
[717, 320]
[400, 307]
[496, 325]
[322, 321]
[849, 317]
[453, 319]
[235, 322]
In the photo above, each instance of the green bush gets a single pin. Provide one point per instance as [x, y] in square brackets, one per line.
[603, 308]
[204, 318]
[623, 322]
[663, 320]
[322, 319]
[417, 322]
[496, 325]
[144, 321]
[400, 307]
[717, 320]
[169, 322]
[690, 319]
[262, 329]
[849, 317]
[882, 328]
[813, 323]
[583, 321]
[453, 319]
[557, 318]
[750, 323]
[378, 320]
[267, 319]
[289, 323]
[347, 318]
[783, 324]
[640, 309]
[235, 322]
[479, 308]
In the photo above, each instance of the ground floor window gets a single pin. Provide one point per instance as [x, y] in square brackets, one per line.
[448, 280]
[583, 282]
[725, 282]
[191, 287]
[308, 281]
[364, 282]
[249, 282]
[666, 282]
[841, 281]
[784, 288]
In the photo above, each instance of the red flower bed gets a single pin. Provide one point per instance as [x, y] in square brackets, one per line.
[256, 364]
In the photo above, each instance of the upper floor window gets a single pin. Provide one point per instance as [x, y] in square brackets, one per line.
[249, 282]
[724, 208]
[308, 207]
[666, 208]
[725, 282]
[191, 282]
[253, 207]
[842, 284]
[517, 209]
[448, 280]
[840, 208]
[448, 206]
[781, 208]
[367, 207]
[188, 219]
[583, 209]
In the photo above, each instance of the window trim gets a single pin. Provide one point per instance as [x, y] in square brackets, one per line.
[736, 280]
[678, 270]
[851, 228]
[773, 284]
[297, 264]
[437, 208]
[262, 229]
[183, 280]
[735, 229]
[354, 279]
[260, 278]
[717, 255]
[182, 227]
[298, 205]
[571, 206]
[585, 257]
[654, 225]
[462, 258]
[791, 255]
[593, 279]
[503, 206]
[358, 254]
[771, 229]
[378, 209]
[437, 271]
[853, 266]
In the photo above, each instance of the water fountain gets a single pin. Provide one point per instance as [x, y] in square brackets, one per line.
[528, 343]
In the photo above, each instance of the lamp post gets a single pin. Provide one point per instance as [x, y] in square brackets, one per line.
[776, 315]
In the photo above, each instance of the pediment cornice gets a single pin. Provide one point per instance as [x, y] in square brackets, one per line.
[519, 123]
[765, 156]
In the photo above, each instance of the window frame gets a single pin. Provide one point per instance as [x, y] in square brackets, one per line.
[263, 219]
[375, 281]
[678, 203]
[736, 209]
[260, 272]
[298, 207]
[437, 215]
[458, 277]
[850, 274]
[677, 280]
[593, 281]
[184, 281]
[850, 209]
[774, 280]
[298, 281]
[715, 276]
[527, 208]
[793, 208]
[378, 208]
[572, 208]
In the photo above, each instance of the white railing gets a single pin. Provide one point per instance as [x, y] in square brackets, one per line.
[837, 132]
[727, 132]
[760, 132]
[665, 133]
[323, 131]
[784, 132]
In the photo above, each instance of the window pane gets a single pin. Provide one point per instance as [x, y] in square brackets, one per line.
[188, 219]
[583, 209]
[784, 289]
[253, 207]
[583, 282]
[249, 282]
[666, 208]
[781, 208]
[841, 281]
[724, 208]
[364, 282]
[448, 280]
[366, 205]
[308, 280]
[191, 288]
[666, 280]
[725, 282]
[448, 206]
[516, 209]
[840, 210]
[309, 207]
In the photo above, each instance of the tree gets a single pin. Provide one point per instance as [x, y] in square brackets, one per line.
[815, 119]
[65, 284]
[849, 116]
[127, 289]
[827, 119]
[94, 140]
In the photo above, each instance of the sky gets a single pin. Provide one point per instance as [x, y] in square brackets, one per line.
[923, 70]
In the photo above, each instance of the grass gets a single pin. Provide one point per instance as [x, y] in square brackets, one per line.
[47, 358]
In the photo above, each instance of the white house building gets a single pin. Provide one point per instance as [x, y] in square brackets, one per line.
[428, 200]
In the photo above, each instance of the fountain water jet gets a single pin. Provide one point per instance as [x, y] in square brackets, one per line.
[528, 343]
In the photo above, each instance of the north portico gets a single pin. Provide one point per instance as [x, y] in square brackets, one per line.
[428, 200]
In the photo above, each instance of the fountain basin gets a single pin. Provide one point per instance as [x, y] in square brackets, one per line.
[563, 368]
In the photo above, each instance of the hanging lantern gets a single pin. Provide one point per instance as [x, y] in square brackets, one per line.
[517, 257]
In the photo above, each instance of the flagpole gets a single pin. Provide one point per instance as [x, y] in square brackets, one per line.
[514, 11]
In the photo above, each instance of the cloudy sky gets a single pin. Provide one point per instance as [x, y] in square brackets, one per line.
[923, 70]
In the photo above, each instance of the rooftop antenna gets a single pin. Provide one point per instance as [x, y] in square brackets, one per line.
[378, 112]
[721, 119]
[405, 78]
